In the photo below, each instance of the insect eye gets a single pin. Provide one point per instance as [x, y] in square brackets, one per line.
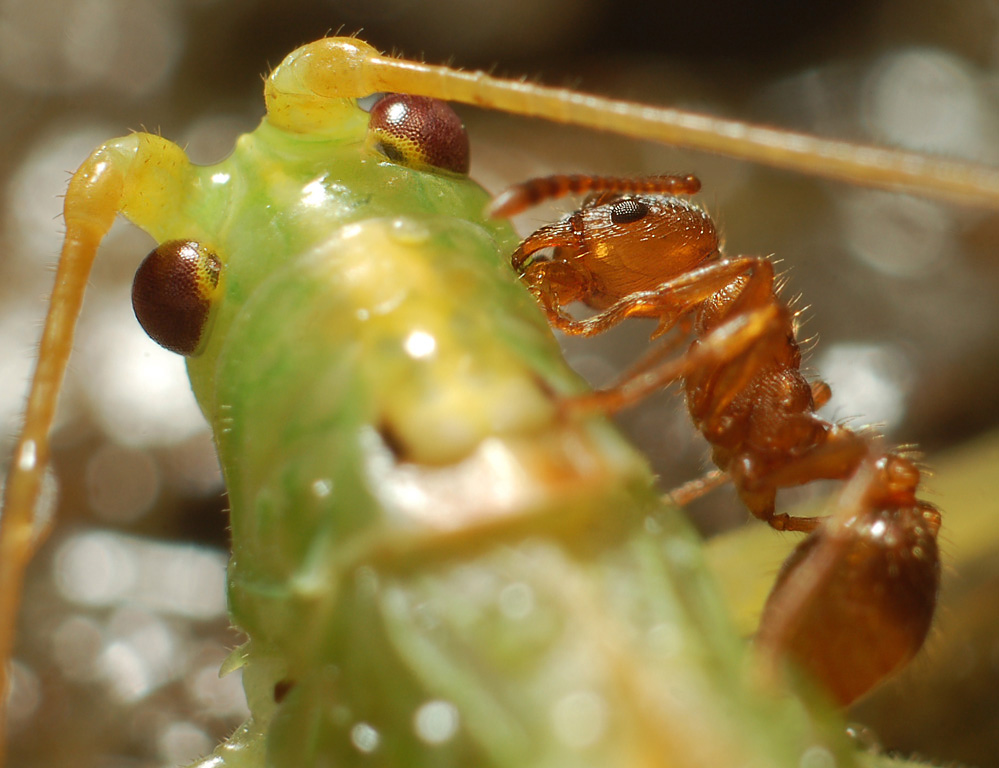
[173, 291]
[420, 132]
[628, 210]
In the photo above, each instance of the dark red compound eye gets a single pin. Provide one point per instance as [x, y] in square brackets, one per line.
[420, 132]
[173, 291]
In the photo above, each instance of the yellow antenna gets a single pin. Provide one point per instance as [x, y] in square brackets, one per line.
[337, 67]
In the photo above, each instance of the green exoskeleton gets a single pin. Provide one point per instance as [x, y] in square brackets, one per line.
[434, 563]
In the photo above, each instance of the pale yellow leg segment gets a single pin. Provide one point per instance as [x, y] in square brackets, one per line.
[344, 67]
[135, 175]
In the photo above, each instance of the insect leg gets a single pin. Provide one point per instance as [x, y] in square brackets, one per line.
[698, 487]
[673, 301]
[723, 344]
[837, 456]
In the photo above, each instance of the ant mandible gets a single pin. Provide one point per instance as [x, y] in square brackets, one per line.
[854, 601]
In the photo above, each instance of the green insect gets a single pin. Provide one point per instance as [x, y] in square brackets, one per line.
[433, 562]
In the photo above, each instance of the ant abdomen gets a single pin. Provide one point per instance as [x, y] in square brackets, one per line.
[855, 600]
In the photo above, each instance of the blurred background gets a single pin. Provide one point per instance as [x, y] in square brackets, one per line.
[124, 618]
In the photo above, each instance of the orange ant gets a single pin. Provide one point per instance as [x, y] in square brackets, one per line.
[855, 600]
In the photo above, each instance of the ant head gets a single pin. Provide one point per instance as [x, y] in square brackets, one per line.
[651, 234]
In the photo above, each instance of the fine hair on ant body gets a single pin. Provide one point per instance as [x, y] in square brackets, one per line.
[855, 600]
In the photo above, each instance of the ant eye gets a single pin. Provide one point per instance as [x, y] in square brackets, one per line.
[173, 291]
[420, 132]
[628, 210]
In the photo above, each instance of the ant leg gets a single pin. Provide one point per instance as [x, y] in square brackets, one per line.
[676, 298]
[557, 283]
[692, 490]
[835, 453]
[855, 600]
[724, 344]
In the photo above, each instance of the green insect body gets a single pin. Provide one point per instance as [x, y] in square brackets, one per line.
[382, 392]
[435, 564]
